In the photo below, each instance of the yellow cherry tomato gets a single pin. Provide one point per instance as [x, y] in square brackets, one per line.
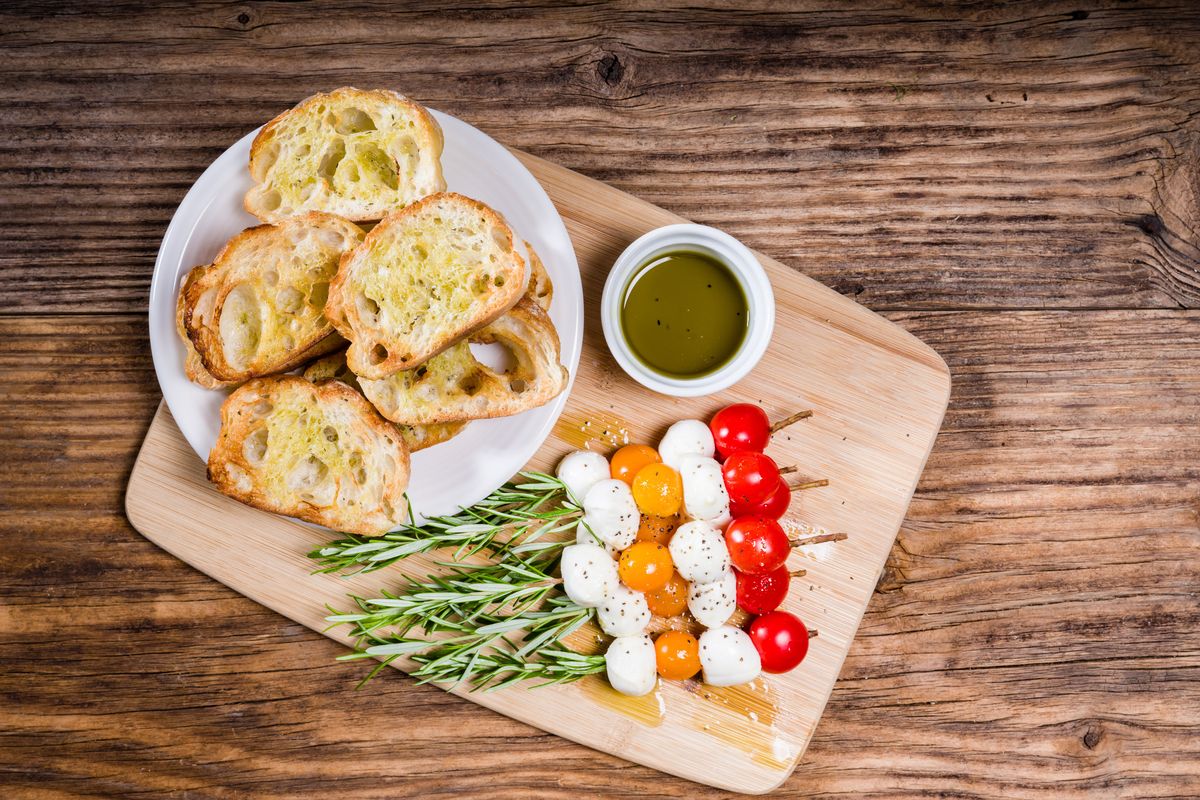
[627, 461]
[677, 655]
[645, 566]
[670, 599]
[658, 490]
[657, 529]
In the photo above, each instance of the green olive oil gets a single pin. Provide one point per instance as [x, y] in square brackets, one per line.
[684, 314]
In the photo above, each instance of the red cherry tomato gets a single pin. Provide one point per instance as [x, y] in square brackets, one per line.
[750, 477]
[774, 507]
[759, 594]
[781, 640]
[757, 544]
[739, 428]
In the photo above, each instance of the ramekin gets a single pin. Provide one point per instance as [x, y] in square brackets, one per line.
[746, 270]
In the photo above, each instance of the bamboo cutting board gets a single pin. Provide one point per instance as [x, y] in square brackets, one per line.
[878, 394]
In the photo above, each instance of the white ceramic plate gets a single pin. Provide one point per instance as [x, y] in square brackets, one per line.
[486, 454]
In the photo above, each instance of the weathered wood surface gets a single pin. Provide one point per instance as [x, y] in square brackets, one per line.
[914, 156]
[1038, 631]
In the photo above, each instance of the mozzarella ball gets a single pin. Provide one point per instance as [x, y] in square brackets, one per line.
[584, 535]
[704, 494]
[699, 552]
[611, 513]
[712, 604]
[728, 657]
[580, 471]
[589, 574]
[688, 437]
[624, 612]
[720, 520]
[631, 666]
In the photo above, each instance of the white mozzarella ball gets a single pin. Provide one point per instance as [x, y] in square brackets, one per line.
[624, 612]
[704, 494]
[611, 513]
[589, 574]
[728, 657]
[580, 471]
[688, 437]
[584, 535]
[615, 535]
[631, 665]
[712, 604]
[721, 520]
[699, 552]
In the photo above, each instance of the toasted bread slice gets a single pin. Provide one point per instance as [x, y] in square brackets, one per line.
[318, 452]
[358, 154]
[418, 437]
[540, 289]
[424, 277]
[259, 308]
[193, 367]
[456, 386]
[332, 368]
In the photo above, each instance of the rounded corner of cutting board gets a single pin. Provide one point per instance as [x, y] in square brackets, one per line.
[937, 362]
[940, 371]
[134, 490]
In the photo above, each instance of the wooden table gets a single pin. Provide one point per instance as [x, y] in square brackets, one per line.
[1018, 186]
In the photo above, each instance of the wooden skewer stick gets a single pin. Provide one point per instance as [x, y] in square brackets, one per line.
[783, 423]
[788, 470]
[824, 537]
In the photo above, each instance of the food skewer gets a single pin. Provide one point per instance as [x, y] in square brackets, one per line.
[824, 537]
[744, 427]
[776, 427]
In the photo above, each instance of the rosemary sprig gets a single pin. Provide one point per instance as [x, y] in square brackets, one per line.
[490, 624]
[487, 623]
[515, 518]
[483, 651]
[468, 593]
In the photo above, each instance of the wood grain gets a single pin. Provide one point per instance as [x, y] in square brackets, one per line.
[1035, 634]
[1032, 155]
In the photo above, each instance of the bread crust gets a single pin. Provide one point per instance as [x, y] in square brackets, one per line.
[455, 386]
[206, 288]
[193, 366]
[540, 289]
[358, 429]
[358, 211]
[401, 353]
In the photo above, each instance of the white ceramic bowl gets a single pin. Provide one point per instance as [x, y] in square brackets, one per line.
[745, 268]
